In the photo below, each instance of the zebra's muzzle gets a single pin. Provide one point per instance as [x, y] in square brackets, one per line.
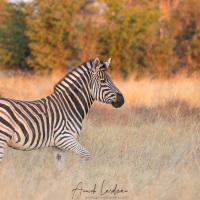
[119, 101]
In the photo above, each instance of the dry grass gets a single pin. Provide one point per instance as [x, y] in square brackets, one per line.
[150, 146]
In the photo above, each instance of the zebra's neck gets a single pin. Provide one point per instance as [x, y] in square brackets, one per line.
[73, 94]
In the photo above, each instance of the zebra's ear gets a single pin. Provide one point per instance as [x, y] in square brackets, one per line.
[96, 65]
[107, 63]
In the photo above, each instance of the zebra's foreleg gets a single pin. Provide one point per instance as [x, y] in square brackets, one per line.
[69, 142]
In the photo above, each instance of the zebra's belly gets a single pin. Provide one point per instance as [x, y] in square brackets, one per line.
[29, 142]
[22, 147]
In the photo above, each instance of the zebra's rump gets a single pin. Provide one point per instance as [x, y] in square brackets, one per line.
[25, 125]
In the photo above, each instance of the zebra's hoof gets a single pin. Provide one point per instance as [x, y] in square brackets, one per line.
[58, 157]
[85, 159]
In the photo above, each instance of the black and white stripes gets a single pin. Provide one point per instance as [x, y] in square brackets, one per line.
[57, 119]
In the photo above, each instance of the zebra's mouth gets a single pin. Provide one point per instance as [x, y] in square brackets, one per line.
[116, 105]
[119, 102]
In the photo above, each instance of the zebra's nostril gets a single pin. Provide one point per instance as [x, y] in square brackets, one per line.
[120, 99]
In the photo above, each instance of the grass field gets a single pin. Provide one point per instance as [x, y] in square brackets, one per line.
[149, 147]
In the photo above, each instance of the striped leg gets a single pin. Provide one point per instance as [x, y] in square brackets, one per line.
[68, 142]
[3, 145]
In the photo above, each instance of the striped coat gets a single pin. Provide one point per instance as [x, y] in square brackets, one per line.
[56, 120]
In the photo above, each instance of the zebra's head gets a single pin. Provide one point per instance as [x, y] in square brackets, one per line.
[101, 86]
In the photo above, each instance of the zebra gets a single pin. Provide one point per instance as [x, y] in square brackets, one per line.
[56, 120]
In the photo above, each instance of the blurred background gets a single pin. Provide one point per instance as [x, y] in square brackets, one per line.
[150, 146]
[157, 38]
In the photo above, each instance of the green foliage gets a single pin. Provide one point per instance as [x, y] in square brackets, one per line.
[50, 29]
[154, 38]
[187, 47]
[86, 35]
[124, 35]
[13, 42]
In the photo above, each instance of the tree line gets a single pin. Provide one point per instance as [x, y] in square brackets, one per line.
[157, 37]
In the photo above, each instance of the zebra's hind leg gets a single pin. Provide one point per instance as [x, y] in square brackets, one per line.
[59, 157]
[3, 145]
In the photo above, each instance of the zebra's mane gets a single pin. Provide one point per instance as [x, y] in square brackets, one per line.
[81, 69]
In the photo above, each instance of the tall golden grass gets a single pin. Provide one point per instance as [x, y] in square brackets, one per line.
[149, 147]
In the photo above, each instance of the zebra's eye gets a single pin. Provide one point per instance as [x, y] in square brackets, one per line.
[102, 81]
